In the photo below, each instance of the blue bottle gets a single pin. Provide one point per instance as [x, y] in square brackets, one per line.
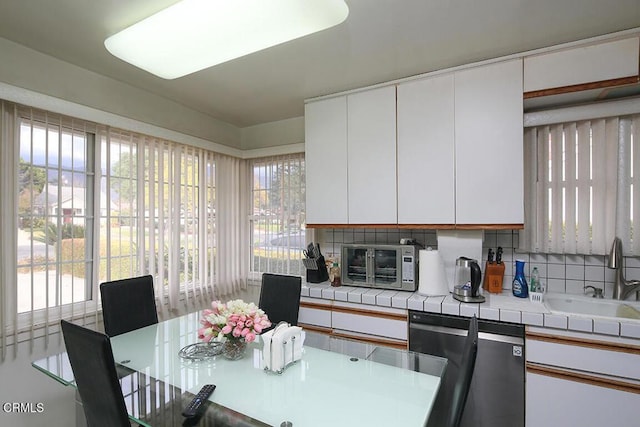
[519, 286]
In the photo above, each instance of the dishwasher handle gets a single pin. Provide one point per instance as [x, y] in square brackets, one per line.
[439, 329]
[486, 336]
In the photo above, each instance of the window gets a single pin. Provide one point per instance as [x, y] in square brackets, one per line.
[159, 212]
[278, 216]
[582, 180]
[55, 211]
[94, 204]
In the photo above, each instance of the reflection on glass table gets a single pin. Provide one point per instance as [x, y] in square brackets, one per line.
[337, 381]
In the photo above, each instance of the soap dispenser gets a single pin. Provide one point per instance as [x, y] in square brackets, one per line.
[519, 286]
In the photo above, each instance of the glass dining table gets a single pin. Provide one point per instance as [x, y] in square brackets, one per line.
[337, 382]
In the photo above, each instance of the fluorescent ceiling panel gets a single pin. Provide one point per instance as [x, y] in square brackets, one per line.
[196, 34]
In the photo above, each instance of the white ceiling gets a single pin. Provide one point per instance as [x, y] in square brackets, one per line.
[381, 40]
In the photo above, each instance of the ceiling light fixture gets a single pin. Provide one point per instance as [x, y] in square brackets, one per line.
[196, 34]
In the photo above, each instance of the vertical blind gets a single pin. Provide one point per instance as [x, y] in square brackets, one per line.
[8, 215]
[159, 217]
[232, 211]
[84, 203]
[582, 180]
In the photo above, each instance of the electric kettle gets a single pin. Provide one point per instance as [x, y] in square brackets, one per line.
[467, 280]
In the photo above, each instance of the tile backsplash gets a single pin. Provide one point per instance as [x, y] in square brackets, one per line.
[560, 273]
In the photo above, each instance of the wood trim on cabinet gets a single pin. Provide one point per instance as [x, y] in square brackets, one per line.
[599, 345]
[425, 226]
[319, 329]
[579, 377]
[370, 313]
[602, 84]
[351, 225]
[356, 311]
[316, 306]
[489, 226]
[376, 341]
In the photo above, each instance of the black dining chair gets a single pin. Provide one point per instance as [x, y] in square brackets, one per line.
[280, 297]
[456, 399]
[94, 371]
[128, 304]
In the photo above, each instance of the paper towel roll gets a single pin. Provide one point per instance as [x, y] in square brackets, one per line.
[432, 279]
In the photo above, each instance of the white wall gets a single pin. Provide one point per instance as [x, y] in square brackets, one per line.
[25, 68]
[279, 133]
[75, 85]
[22, 383]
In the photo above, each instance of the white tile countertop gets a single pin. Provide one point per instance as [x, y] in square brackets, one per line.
[504, 307]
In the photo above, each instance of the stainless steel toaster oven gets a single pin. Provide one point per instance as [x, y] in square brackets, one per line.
[380, 266]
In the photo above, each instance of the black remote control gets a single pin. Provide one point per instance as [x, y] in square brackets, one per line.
[192, 408]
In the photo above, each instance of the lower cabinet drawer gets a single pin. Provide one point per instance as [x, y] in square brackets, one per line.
[315, 316]
[556, 401]
[581, 381]
[371, 324]
[377, 327]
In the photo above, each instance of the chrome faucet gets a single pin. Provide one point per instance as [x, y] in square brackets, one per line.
[621, 288]
[597, 292]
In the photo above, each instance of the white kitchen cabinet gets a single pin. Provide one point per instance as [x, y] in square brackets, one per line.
[455, 156]
[315, 315]
[326, 161]
[371, 154]
[370, 324]
[576, 381]
[378, 325]
[583, 64]
[561, 402]
[489, 144]
[426, 151]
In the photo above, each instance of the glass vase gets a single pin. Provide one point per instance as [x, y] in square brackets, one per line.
[234, 348]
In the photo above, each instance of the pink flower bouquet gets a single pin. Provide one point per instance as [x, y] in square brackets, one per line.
[234, 320]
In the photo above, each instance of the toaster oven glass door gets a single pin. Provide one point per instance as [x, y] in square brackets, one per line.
[386, 267]
[356, 261]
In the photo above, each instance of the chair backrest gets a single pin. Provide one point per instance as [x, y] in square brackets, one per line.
[463, 382]
[280, 297]
[128, 304]
[94, 371]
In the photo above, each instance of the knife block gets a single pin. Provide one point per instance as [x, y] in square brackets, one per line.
[320, 274]
[493, 276]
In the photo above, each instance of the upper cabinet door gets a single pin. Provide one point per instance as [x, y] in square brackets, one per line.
[371, 130]
[584, 64]
[489, 144]
[426, 184]
[325, 124]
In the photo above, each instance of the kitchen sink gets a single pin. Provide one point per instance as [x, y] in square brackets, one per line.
[588, 306]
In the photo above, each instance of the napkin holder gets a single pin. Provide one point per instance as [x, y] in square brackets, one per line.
[282, 347]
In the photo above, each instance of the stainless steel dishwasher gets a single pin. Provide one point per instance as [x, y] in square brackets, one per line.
[496, 397]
